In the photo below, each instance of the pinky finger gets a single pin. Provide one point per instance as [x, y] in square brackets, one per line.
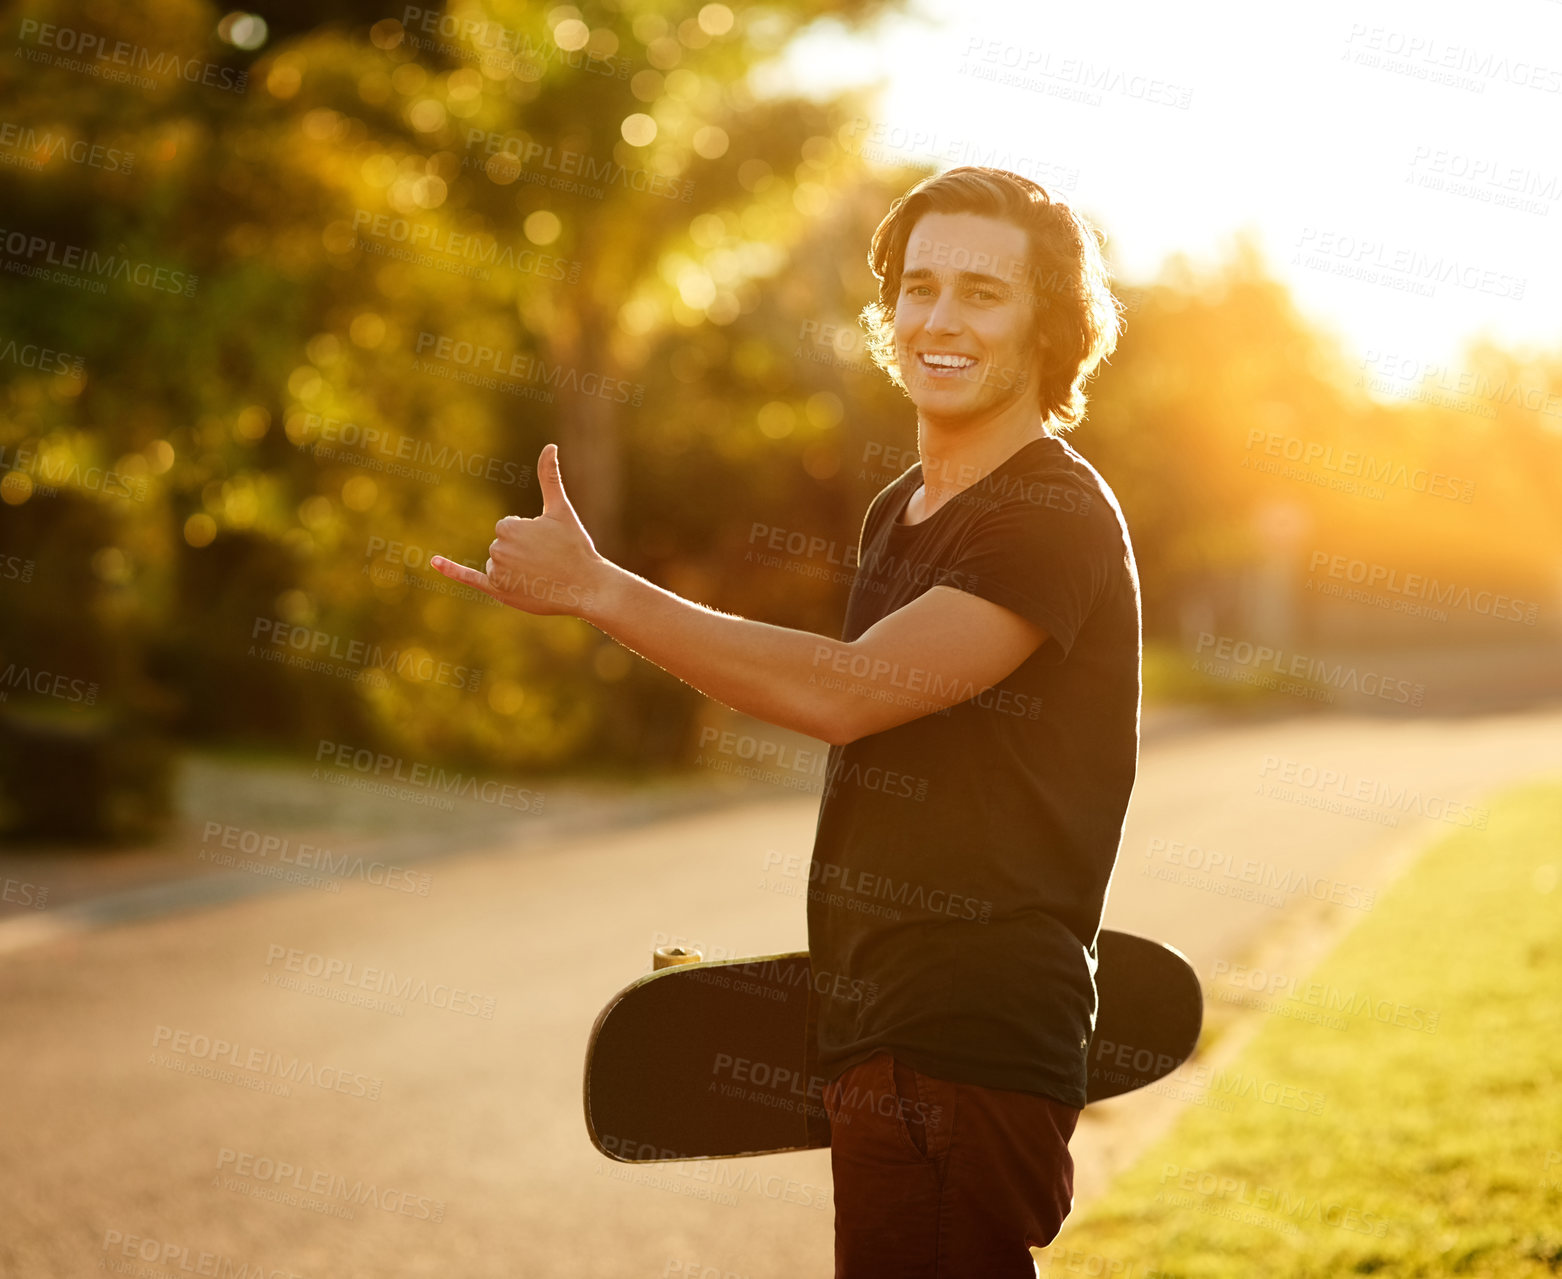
[461, 573]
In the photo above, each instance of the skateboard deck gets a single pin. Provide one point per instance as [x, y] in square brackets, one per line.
[710, 1060]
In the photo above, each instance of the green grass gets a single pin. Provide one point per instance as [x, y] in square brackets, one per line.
[1432, 1152]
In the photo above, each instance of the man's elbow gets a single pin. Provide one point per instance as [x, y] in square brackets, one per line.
[843, 725]
[839, 726]
[843, 737]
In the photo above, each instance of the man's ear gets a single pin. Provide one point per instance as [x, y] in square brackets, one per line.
[1040, 344]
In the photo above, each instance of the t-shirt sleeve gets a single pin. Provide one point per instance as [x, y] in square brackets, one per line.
[870, 518]
[874, 515]
[1047, 557]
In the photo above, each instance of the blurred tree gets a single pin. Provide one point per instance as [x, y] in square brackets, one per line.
[1224, 403]
[285, 316]
[398, 256]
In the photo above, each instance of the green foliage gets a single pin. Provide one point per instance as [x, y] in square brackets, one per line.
[294, 430]
[335, 311]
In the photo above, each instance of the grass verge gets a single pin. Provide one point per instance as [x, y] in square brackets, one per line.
[1422, 1138]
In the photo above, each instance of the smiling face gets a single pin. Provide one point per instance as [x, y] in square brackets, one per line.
[964, 332]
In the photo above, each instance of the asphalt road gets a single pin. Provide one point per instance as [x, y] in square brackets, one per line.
[132, 1143]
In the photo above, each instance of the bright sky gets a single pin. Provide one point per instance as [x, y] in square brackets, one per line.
[1322, 127]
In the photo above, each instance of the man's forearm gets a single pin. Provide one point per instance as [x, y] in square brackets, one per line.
[773, 673]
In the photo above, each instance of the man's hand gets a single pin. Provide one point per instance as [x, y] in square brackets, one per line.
[546, 565]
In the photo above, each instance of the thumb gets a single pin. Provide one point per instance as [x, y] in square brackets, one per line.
[554, 501]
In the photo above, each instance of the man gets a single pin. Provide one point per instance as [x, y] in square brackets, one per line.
[982, 708]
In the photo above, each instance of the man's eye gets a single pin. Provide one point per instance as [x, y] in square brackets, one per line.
[987, 295]
[917, 288]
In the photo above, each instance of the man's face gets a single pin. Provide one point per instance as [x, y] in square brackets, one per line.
[963, 321]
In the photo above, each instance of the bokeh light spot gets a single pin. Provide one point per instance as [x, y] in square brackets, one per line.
[200, 529]
[715, 19]
[542, 227]
[711, 142]
[243, 30]
[359, 493]
[639, 130]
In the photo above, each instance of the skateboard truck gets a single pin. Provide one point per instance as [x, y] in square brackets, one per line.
[671, 956]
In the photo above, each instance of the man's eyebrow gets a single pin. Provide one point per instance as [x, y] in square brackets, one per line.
[925, 272]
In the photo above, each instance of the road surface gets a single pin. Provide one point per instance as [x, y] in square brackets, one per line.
[444, 1137]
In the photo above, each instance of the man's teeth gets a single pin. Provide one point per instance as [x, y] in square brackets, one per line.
[949, 361]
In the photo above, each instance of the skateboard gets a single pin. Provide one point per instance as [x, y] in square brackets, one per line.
[711, 1060]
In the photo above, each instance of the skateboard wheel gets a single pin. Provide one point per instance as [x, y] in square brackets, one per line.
[670, 956]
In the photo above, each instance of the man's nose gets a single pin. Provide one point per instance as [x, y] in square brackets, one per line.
[945, 315]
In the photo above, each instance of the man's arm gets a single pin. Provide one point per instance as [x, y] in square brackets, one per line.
[942, 648]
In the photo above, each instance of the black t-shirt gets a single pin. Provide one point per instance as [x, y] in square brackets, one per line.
[961, 859]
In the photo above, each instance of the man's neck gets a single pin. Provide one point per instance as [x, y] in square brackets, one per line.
[956, 454]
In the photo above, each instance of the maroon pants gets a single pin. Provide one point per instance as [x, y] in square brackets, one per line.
[939, 1180]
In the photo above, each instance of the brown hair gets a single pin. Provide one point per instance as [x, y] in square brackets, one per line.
[1076, 317]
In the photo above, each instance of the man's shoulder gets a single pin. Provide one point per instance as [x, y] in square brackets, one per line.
[1055, 477]
[1057, 457]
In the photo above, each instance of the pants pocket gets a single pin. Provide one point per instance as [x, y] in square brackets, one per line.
[910, 1106]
